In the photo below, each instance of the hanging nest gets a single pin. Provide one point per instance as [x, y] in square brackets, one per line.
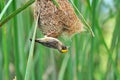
[55, 21]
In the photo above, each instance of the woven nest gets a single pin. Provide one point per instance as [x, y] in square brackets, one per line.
[55, 21]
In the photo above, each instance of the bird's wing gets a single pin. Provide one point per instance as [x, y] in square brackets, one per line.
[52, 43]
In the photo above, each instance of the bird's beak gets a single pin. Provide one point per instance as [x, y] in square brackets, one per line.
[64, 51]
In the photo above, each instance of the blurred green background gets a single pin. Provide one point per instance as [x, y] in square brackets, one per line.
[88, 58]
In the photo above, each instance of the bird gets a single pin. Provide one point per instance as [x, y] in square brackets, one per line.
[55, 21]
[52, 43]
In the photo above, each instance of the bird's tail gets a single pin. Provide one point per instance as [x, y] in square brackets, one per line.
[36, 40]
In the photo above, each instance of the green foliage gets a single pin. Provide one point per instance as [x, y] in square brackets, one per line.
[89, 58]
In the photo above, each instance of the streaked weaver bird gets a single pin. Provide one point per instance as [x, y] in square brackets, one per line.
[56, 21]
[52, 43]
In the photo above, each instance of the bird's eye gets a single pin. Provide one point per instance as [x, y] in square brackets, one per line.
[64, 48]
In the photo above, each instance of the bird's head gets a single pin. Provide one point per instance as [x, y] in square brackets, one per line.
[63, 49]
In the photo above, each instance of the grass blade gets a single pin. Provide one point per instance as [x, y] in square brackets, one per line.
[15, 42]
[63, 67]
[16, 12]
[83, 19]
[56, 3]
[6, 55]
[5, 8]
[30, 58]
